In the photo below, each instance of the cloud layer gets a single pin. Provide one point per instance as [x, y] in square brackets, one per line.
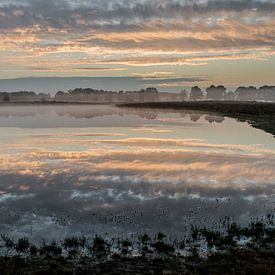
[66, 36]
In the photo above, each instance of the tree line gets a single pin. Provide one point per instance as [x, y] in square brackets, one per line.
[251, 93]
[151, 94]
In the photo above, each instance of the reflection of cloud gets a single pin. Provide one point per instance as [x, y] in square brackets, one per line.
[197, 143]
[9, 197]
[220, 164]
[121, 180]
[152, 130]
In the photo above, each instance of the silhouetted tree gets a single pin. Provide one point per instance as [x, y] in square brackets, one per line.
[266, 93]
[183, 95]
[246, 93]
[215, 93]
[230, 96]
[196, 93]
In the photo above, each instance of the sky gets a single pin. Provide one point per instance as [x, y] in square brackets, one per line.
[164, 43]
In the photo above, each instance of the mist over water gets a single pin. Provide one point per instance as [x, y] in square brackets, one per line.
[100, 169]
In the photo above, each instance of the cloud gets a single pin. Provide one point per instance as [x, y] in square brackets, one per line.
[64, 68]
[134, 32]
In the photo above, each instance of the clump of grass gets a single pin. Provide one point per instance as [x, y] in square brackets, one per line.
[161, 245]
[144, 244]
[52, 249]
[99, 247]
[22, 245]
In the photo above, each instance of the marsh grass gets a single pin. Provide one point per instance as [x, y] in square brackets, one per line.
[231, 247]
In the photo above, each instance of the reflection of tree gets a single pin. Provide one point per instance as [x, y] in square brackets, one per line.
[75, 111]
[195, 117]
[182, 114]
[219, 119]
[6, 98]
[147, 114]
[93, 111]
[212, 118]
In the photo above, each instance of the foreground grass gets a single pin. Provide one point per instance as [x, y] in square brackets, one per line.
[233, 249]
[233, 262]
[260, 115]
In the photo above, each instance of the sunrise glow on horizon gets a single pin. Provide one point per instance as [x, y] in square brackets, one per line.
[181, 42]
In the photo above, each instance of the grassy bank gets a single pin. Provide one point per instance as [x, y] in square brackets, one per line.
[233, 262]
[259, 115]
[233, 249]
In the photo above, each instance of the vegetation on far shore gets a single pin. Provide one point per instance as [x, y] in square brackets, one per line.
[149, 94]
[233, 249]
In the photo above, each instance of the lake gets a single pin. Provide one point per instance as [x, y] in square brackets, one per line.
[87, 169]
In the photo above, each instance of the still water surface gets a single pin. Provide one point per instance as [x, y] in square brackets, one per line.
[98, 169]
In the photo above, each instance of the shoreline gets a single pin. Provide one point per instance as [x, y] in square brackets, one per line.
[260, 115]
[221, 107]
[39, 103]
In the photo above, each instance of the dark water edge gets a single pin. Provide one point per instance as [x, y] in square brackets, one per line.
[260, 115]
[234, 250]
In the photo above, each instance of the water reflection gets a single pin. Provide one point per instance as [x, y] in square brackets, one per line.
[128, 171]
[94, 111]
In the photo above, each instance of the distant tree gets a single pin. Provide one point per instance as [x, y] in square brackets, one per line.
[240, 92]
[196, 93]
[60, 93]
[247, 93]
[216, 93]
[151, 90]
[61, 96]
[267, 93]
[183, 95]
[230, 96]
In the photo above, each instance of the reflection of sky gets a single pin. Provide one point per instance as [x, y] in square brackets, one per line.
[98, 168]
